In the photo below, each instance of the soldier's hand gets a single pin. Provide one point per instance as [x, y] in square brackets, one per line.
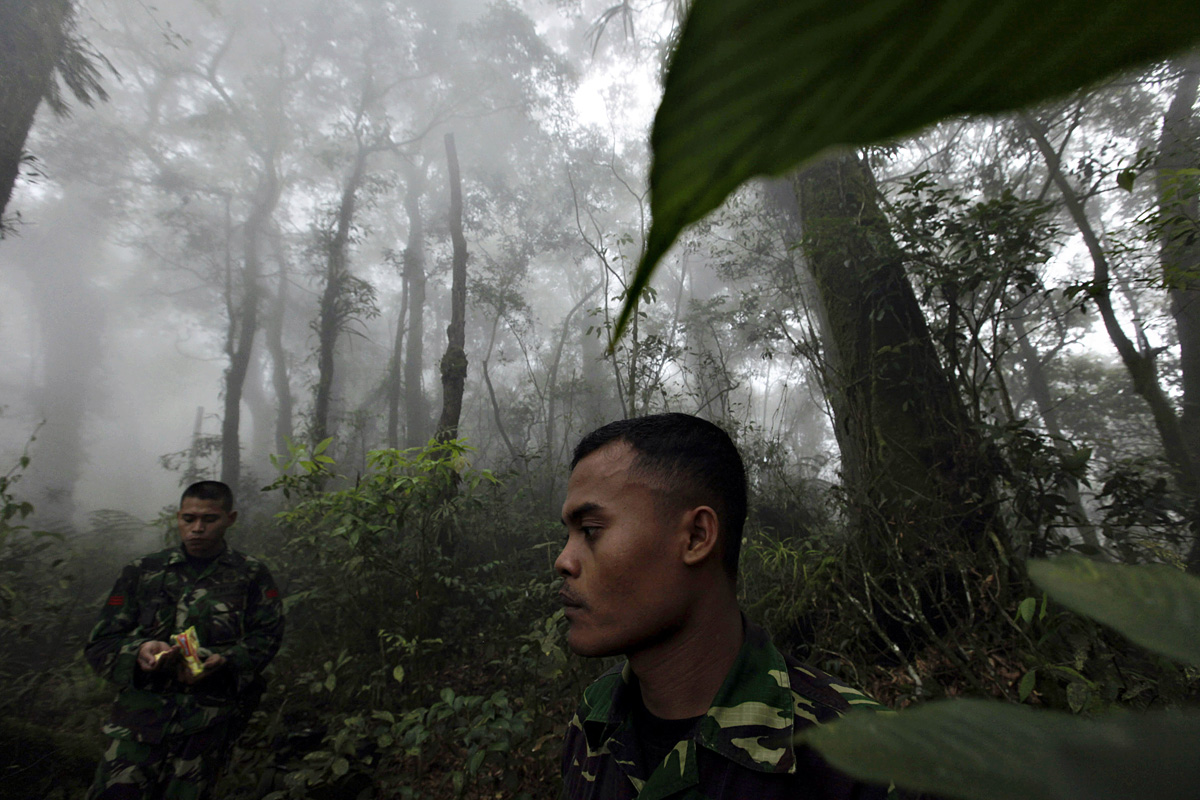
[211, 664]
[152, 655]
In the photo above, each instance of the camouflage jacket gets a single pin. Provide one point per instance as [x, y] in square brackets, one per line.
[741, 748]
[237, 613]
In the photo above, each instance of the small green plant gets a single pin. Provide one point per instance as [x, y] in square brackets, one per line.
[457, 733]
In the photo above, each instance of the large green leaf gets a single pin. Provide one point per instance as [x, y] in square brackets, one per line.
[757, 86]
[983, 750]
[1155, 605]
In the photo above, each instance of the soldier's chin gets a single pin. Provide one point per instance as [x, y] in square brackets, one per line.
[582, 645]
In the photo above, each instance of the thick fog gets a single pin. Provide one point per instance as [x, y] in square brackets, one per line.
[261, 211]
[123, 271]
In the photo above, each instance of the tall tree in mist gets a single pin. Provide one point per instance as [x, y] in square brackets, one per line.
[243, 317]
[911, 458]
[280, 371]
[454, 361]
[1177, 167]
[416, 407]
[71, 321]
[37, 43]
[344, 297]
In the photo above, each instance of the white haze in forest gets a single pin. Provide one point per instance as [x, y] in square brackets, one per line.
[140, 346]
[112, 318]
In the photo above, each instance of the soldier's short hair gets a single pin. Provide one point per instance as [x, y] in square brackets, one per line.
[210, 490]
[696, 462]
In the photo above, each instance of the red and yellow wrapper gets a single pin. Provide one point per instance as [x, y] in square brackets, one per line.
[189, 648]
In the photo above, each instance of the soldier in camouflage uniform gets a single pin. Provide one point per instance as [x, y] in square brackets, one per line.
[170, 729]
[704, 706]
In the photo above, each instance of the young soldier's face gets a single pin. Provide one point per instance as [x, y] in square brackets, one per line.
[623, 577]
[202, 526]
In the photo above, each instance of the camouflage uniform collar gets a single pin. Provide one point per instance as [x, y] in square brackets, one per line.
[177, 555]
[750, 721]
[752, 716]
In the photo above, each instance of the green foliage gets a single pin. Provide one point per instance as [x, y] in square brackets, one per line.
[958, 245]
[411, 654]
[1155, 605]
[1143, 515]
[984, 751]
[797, 78]
[33, 583]
[373, 559]
[1038, 472]
[785, 579]
[980, 750]
[464, 730]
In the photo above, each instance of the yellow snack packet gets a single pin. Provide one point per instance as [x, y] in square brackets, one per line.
[189, 647]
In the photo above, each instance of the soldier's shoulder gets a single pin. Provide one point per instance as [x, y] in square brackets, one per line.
[244, 562]
[825, 696]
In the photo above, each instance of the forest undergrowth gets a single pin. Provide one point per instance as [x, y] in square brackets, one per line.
[425, 652]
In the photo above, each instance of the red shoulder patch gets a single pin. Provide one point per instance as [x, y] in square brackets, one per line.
[272, 593]
[116, 600]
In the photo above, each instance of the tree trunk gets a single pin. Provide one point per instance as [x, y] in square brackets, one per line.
[554, 451]
[919, 481]
[242, 328]
[395, 387]
[279, 366]
[1039, 388]
[330, 315]
[258, 401]
[70, 336]
[32, 33]
[497, 417]
[416, 408]
[454, 362]
[1180, 255]
[911, 460]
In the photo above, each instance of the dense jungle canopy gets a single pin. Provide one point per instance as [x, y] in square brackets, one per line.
[365, 262]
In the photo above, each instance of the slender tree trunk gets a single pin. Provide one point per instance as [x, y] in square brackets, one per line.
[32, 33]
[487, 381]
[553, 449]
[395, 385]
[416, 407]
[1140, 363]
[1039, 388]
[454, 362]
[330, 316]
[262, 413]
[279, 366]
[242, 329]
[396, 375]
[192, 473]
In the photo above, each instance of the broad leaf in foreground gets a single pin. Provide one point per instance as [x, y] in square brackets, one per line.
[758, 86]
[983, 750]
[1154, 605]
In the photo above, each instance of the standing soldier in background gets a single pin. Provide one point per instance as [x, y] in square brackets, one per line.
[172, 726]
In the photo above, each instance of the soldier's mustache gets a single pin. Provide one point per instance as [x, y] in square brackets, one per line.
[569, 598]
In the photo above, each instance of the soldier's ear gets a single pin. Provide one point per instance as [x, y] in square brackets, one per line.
[703, 532]
[232, 517]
